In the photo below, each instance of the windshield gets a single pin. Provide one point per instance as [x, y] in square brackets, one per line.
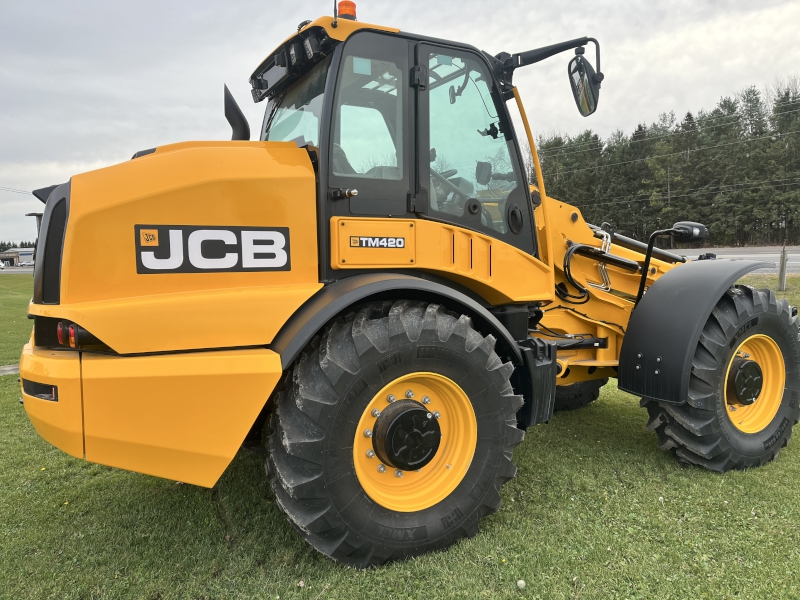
[295, 115]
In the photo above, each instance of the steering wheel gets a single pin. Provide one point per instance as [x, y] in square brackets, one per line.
[449, 184]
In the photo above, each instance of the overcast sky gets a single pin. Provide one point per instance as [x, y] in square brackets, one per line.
[85, 84]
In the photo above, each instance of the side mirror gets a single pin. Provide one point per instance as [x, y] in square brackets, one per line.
[483, 172]
[452, 93]
[585, 84]
[688, 231]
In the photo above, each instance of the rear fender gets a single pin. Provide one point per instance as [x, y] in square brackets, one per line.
[337, 297]
[664, 329]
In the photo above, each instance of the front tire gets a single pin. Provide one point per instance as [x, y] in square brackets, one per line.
[334, 494]
[722, 426]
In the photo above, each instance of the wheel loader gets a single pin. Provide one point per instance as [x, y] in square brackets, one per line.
[376, 295]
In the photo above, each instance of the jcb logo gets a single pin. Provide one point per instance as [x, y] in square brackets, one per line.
[192, 249]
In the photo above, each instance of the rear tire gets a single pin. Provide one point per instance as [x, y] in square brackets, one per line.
[316, 446]
[712, 429]
[578, 395]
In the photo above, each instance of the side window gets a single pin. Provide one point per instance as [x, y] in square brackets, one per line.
[296, 114]
[368, 120]
[370, 132]
[472, 154]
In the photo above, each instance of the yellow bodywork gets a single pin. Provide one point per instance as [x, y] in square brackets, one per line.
[181, 415]
[484, 264]
[268, 184]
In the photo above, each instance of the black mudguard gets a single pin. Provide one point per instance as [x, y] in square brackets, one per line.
[342, 295]
[656, 357]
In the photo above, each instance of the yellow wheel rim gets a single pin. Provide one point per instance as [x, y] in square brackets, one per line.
[758, 415]
[418, 490]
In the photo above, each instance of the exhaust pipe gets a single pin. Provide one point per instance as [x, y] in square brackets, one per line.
[236, 118]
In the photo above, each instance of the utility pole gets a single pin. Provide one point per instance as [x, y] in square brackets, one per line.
[782, 269]
[669, 195]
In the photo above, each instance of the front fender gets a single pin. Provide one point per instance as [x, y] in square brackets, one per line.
[656, 356]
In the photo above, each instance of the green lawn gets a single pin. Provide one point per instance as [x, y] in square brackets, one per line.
[15, 328]
[596, 511]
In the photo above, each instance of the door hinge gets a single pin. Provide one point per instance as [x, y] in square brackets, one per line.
[419, 77]
[410, 203]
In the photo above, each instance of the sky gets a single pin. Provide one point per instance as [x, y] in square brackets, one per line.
[86, 84]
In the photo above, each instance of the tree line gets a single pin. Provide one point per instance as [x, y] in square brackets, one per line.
[6, 245]
[735, 168]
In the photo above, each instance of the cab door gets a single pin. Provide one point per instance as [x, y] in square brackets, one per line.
[370, 138]
[468, 158]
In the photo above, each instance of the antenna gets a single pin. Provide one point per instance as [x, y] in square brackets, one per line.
[335, 24]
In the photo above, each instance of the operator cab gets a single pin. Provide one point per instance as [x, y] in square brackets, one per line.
[440, 146]
[408, 126]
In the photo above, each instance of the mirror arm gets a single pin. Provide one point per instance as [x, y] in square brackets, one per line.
[648, 255]
[530, 57]
[599, 74]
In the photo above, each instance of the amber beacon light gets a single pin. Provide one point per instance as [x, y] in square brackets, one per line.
[347, 10]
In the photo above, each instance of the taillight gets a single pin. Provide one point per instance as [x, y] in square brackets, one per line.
[75, 336]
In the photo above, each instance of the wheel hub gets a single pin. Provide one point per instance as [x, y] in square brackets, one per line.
[406, 435]
[745, 381]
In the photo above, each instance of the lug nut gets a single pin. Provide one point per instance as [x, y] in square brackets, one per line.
[376, 412]
[732, 408]
[398, 473]
[409, 394]
[368, 433]
[426, 400]
[449, 466]
[381, 469]
[436, 414]
[390, 398]
[370, 454]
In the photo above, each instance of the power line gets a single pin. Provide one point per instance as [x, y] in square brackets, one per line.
[701, 189]
[8, 189]
[700, 121]
[599, 144]
[627, 162]
[628, 201]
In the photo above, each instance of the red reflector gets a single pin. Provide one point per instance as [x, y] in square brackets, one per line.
[347, 10]
[72, 335]
[60, 333]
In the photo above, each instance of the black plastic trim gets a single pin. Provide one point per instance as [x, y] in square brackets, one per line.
[143, 153]
[43, 391]
[656, 357]
[337, 297]
[536, 381]
[44, 193]
[50, 245]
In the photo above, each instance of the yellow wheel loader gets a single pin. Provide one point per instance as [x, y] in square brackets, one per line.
[376, 292]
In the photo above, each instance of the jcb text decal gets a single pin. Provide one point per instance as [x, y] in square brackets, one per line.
[376, 242]
[195, 249]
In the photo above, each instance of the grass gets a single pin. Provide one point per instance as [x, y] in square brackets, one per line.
[596, 511]
[15, 328]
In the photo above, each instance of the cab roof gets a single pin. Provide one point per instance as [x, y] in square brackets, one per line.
[336, 29]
